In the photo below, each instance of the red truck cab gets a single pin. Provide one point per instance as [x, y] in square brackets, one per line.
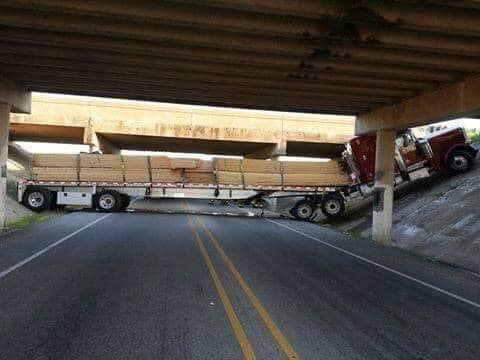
[415, 158]
[445, 150]
[451, 150]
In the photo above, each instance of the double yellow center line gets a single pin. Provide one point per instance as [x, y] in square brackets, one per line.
[245, 345]
[232, 316]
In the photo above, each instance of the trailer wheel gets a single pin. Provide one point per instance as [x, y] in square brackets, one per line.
[37, 199]
[108, 201]
[333, 205]
[303, 210]
[459, 162]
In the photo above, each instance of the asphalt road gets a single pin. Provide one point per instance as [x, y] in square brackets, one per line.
[178, 286]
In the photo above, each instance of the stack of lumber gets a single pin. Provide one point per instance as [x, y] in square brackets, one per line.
[262, 172]
[201, 173]
[101, 168]
[176, 170]
[55, 167]
[313, 173]
[162, 171]
[229, 171]
[136, 169]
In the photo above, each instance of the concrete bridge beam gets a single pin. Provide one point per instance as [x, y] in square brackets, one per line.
[97, 142]
[270, 151]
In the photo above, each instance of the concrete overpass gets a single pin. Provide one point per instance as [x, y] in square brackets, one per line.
[394, 64]
[111, 125]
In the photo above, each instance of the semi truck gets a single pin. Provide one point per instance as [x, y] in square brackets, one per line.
[415, 157]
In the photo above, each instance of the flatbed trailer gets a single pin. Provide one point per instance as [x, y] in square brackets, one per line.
[114, 197]
[354, 176]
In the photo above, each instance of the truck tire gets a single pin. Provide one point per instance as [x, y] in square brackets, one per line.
[37, 199]
[125, 202]
[333, 205]
[459, 162]
[108, 201]
[303, 210]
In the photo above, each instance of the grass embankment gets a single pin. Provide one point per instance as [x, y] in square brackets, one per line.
[26, 220]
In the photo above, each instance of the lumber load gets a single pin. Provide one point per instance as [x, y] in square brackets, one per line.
[198, 177]
[166, 175]
[135, 162]
[136, 168]
[203, 173]
[160, 162]
[261, 179]
[162, 169]
[225, 164]
[55, 160]
[101, 175]
[54, 174]
[100, 161]
[310, 167]
[137, 175]
[261, 166]
[182, 163]
[165, 162]
[307, 173]
[203, 166]
[229, 178]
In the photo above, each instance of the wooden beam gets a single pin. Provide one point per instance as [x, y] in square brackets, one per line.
[446, 103]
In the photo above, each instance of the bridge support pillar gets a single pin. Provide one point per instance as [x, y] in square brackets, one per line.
[4, 124]
[383, 191]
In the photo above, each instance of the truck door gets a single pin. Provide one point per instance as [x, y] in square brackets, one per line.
[411, 155]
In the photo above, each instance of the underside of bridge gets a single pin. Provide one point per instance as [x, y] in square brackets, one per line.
[392, 63]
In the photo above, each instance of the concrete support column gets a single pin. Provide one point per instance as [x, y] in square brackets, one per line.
[4, 122]
[383, 191]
